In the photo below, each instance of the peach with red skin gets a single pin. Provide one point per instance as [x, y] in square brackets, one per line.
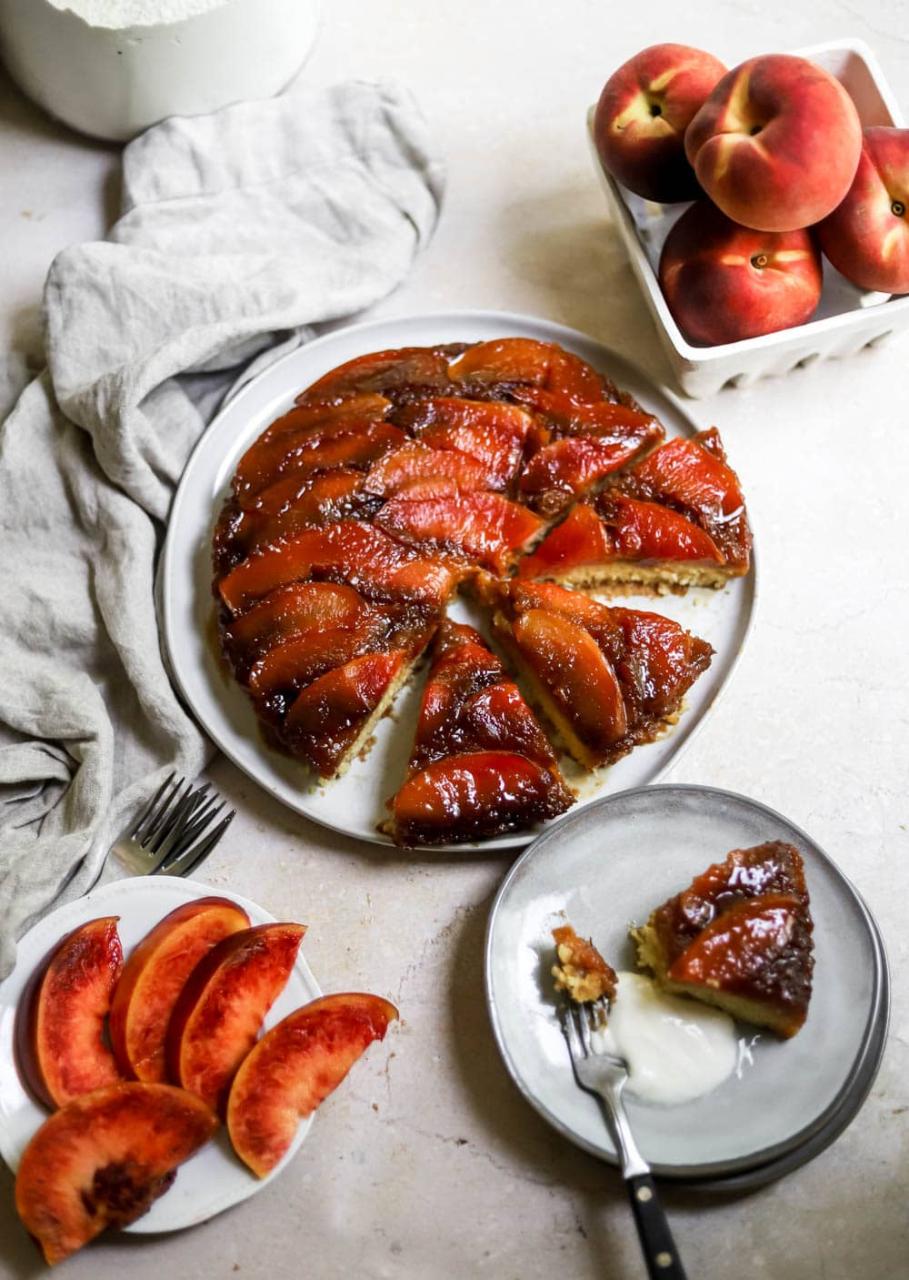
[154, 976]
[220, 1010]
[776, 144]
[293, 1069]
[59, 1030]
[724, 282]
[643, 112]
[104, 1159]
[867, 236]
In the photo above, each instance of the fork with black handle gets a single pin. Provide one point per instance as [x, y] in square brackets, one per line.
[605, 1074]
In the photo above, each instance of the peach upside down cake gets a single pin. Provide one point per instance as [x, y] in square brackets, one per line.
[502, 469]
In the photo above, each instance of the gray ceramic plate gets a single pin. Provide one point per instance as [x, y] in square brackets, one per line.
[607, 866]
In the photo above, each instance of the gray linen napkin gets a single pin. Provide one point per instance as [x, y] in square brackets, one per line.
[238, 229]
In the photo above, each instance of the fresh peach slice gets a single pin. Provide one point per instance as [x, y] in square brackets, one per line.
[569, 467]
[104, 1159]
[416, 462]
[59, 1033]
[650, 531]
[330, 714]
[581, 539]
[485, 527]
[365, 557]
[289, 612]
[269, 461]
[293, 1069]
[576, 675]
[219, 1012]
[153, 978]
[474, 796]
[384, 372]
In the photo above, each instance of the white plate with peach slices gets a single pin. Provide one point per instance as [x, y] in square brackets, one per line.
[154, 1024]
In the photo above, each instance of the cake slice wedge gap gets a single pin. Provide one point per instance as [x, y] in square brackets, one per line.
[739, 937]
[481, 763]
[606, 678]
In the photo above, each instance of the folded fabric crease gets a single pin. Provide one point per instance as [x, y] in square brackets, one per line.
[240, 232]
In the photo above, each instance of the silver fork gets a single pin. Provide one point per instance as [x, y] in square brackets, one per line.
[605, 1075]
[174, 831]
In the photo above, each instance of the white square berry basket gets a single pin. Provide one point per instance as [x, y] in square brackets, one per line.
[846, 320]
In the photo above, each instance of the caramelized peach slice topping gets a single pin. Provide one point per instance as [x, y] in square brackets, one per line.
[289, 667]
[59, 1032]
[153, 978]
[492, 433]
[329, 715]
[104, 1159]
[575, 673]
[294, 1068]
[693, 475]
[758, 947]
[484, 527]
[662, 660]
[474, 795]
[363, 556]
[525, 361]
[289, 612]
[649, 531]
[269, 461]
[581, 539]
[219, 1012]
[569, 467]
[384, 372]
[415, 463]
[349, 414]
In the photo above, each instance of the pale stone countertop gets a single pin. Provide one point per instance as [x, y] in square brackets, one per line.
[427, 1163]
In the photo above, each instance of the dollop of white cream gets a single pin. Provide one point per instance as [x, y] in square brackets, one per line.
[676, 1049]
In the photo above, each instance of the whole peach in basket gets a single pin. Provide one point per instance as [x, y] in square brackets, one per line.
[777, 143]
[724, 282]
[867, 236]
[642, 115]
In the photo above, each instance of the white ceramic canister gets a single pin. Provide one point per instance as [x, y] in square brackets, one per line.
[176, 57]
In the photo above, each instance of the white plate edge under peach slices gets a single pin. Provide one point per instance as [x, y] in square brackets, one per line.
[355, 803]
[214, 1179]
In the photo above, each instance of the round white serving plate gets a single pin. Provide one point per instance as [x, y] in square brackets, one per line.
[609, 865]
[214, 1179]
[356, 803]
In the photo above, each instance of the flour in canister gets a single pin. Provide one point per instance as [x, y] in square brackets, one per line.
[136, 13]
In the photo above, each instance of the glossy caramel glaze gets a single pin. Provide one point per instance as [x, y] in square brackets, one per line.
[471, 706]
[474, 796]
[609, 678]
[743, 930]
[693, 477]
[354, 517]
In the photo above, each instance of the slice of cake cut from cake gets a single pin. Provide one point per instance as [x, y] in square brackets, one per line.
[739, 937]
[606, 678]
[676, 519]
[580, 971]
[480, 763]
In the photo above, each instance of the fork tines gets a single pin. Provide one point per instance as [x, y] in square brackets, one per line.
[175, 828]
